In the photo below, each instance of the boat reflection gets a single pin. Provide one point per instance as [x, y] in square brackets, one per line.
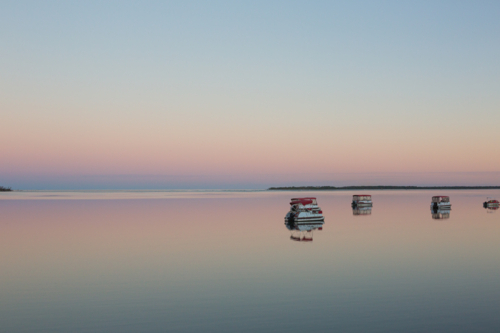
[440, 214]
[361, 211]
[303, 232]
[491, 209]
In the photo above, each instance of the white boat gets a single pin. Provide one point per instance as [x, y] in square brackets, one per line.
[440, 202]
[361, 200]
[304, 210]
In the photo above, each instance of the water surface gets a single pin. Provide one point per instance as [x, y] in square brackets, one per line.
[224, 262]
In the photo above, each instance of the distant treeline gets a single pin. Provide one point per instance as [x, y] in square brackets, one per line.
[5, 189]
[380, 187]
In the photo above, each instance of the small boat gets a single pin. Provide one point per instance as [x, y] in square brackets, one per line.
[304, 210]
[491, 203]
[361, 200]
[440, 201]
[440, 214]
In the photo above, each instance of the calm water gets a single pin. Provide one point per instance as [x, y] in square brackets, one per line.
[224, 262]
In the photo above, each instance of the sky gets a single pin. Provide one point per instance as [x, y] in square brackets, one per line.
[248, 94]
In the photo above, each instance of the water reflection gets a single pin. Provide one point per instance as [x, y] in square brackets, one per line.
[361, 211]
[92, 264]
[303, 232]
[440, 214]
[491, 209]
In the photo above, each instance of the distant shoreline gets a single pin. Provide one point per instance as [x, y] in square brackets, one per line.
[5, 189]
[343, 188]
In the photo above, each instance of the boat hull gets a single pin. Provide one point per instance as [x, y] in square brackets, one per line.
[362, 204]
[441, 206]
[304, 218]
[309, 219]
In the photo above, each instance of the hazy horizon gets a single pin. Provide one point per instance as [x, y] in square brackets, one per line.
[253, 182]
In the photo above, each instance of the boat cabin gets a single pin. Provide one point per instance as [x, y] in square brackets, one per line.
[440, 198]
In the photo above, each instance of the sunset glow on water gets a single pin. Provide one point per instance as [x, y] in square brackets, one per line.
[222, 262]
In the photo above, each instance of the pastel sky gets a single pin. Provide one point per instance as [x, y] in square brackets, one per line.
[248, 94]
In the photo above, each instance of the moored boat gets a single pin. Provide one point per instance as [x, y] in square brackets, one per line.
[361, 200]
[440, 201]
[491, 203]
[304, 210]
